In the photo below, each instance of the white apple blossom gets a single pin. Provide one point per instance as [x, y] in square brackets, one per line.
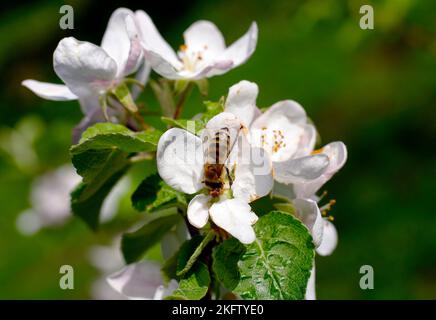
[182, 158]
[204, 53]
[142, 281]
[89, 71]
[283, 131]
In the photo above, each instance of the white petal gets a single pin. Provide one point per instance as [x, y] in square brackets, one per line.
[224, 119]
[180, 160]
[253, 171]
[337, 155]
[142, 76]
[49, 91]
[207, 70]
[300, 170]
[85, 68]
[329, 240]
[125, 50]
[175, 70]
[289, 109]
[235, 217]
[307, 141]
[137, 281]
[308, 211]
[198, 211]
[162, 66]
[158, 49]
[241, 101]
[243, 48]
[310, 289]
[204, 36]
[135, 55]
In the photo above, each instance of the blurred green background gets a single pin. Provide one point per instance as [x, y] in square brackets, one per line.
[372, 89]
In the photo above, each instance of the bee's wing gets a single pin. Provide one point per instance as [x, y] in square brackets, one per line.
[219, 136]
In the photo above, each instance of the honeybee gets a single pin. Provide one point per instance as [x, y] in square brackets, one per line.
[218, 144]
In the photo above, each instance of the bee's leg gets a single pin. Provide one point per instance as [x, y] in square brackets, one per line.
[230, 177]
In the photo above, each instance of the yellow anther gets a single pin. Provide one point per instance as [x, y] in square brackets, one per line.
[318, 151]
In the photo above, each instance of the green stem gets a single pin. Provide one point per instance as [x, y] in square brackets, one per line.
[183, 96]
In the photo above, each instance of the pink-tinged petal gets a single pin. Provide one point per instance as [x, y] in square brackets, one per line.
[138, 281]
[49, 91]
[135, 57]
[329, 240]
[198, 211]
[162, 66]
[85, 68]
[336, 152]
[121, 46]
[235, 217]
[180, 160]
[241, 101]
[155, 46]
[243, 48]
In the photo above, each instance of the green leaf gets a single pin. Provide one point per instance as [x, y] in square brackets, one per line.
[193, 126]
[122, 93]
[153, 194]
[88, 209]
[212, 109]
[194, 286]
[278, 263]
[135, 245]
[225, 262]
[183, 267]
[101, 157]
[116, 136]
